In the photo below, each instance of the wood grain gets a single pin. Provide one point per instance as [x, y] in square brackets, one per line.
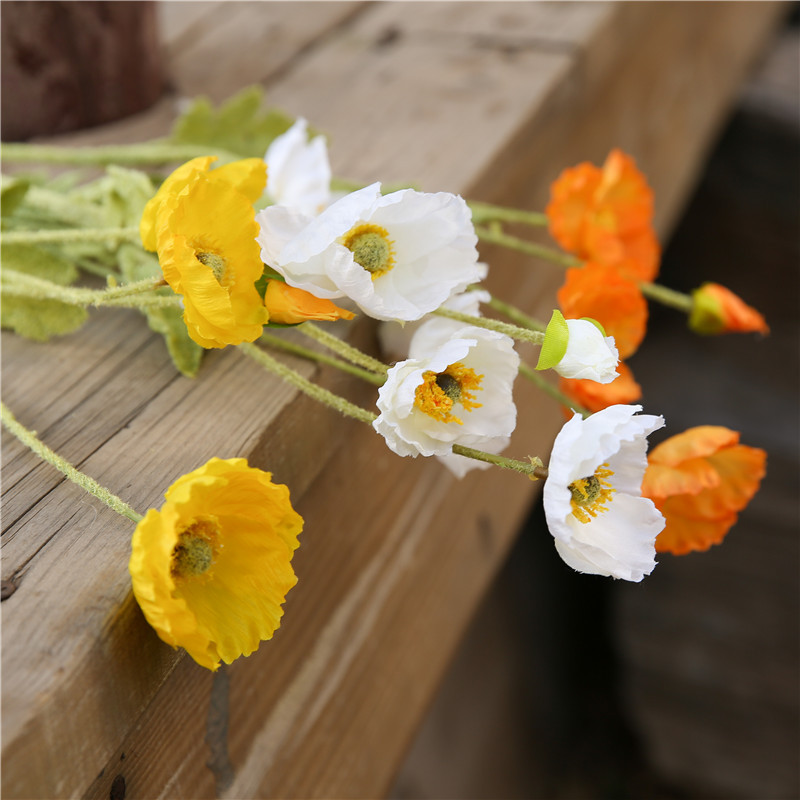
[396, 554]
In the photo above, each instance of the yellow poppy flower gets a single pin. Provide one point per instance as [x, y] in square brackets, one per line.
[248, 176]
[207, 249]
[211, 569]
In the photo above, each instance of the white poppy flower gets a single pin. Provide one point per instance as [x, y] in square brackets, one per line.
[592, 496]
[398, 257]
[395, 337]
[579, 348]
[298, 170]
[461, 393]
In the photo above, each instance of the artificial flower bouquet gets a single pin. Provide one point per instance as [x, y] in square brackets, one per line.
[252, 233]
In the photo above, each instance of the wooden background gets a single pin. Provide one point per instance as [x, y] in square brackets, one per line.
[488, 99]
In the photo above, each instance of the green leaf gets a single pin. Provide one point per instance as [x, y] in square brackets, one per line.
[136, 265]
[40, 319]
[12, 193]
[38, 261]
[240, 126]
[556, 336]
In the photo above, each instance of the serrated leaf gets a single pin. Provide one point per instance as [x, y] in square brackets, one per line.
[240, 126]
[12, 193]
[130, 190]
[40, 319]
[38, 261]
[136, 265]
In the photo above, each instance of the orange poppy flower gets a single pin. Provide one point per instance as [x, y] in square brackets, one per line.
[700, 480]
[605, 215]
[623, 390]
[288, 305]
[600, 292]
[716, 309]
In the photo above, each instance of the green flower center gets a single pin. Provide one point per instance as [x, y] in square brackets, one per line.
[371, 248]
[214, 262]
[194, 553]
[449, 385]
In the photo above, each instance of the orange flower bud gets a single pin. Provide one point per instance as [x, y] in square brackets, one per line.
[716, 309]
[288, 305]
[700, 480]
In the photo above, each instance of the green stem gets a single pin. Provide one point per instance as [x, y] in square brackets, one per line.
[349, 409]
[310, 388]
[531, 468]
[529, 248]
[153, 152]
[71, 235]
[516, 315]
[534, 377]
[29, 439]
[304, 352]
[345, 350]
[20, 283]
[514, 331]
[667, 297]
[485, 212]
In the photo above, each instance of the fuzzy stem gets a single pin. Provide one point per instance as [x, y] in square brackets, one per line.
[514, 331]
[304, 385]
[342, 348]
[153, 152]
[71, 235]
[29, 439]
[516, 315]
[529, 468]
[304, 352]
[486, 212]
[529, 248]
[534, 377]
[20, 283]
[667, 297]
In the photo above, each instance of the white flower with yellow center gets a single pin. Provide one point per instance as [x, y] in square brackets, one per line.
[592, 497]
[298, 170]
[397, 256]
[461, 393]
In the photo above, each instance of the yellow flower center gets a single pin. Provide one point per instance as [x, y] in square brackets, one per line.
[371, 248]
[214, 262]
[590, 494]
[197, 546]
[439, 392]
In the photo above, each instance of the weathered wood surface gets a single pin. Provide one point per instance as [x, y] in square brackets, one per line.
[491, 100]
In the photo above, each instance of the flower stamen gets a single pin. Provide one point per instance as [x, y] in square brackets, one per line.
[590, 494]
[214, 262]
[194, 553]
[371, 248]
[439, 392]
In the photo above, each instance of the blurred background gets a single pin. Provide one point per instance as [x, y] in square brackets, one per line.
[688, 684]
[571, 686]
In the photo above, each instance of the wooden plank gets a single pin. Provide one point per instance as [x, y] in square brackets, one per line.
[91, 680]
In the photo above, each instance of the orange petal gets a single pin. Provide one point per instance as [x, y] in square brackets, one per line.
[287, 305]
[571, 200]
[596, 396]
[704, 440]
[684, 535]
[691, 477]
[623, 192]
[599, 292]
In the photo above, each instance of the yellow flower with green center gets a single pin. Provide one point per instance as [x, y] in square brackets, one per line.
[206, 238]
[590, 494]
[371, 247]
[211, 569]
[439, 392]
